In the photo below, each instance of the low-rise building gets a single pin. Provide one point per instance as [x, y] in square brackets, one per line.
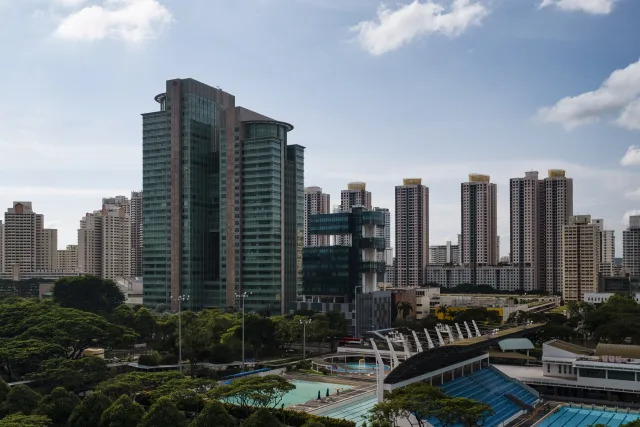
[501, 277]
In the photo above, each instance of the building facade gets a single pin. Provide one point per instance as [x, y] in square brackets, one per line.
[67, 259]
[48, 249]
[136, 233]
[525, 223]
[412, 232]
[479, 241]
[580, 258]
[223, 203]
[315, 202]
[503, 277]
[356, 195]
[631, 247]
[447, 254]
[23, 239]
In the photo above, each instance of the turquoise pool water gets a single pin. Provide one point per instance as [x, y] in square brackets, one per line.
[356, 410]
[576, 417]
[308, 390]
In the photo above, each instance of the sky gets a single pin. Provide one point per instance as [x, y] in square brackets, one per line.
[376, 92]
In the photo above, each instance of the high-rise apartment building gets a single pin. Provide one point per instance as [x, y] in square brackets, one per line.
[1, 247]
[385, 233]
[607, 264]
[136, 233]
[631, 247]
[580, 258]
[67, 259]
[315, 202]
[23, 234]
[446, 254]
[223, 203]
[556, 207]
[356, 195]
[104, 243]
[479, 243]
[412, 232]
[48, 249]
[525, 224]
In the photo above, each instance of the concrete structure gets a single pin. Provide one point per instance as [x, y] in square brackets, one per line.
[607, 266]
[356, 195]
[385, 233]
[602, 297]
[423, 300]
[48, 249]
[580, 259]
[315, 202]
[223, 203]
[67, 259]
[479, 243]
[446, 254]
[502, 277]
[412, 232]
[136, 233]
[23, 239]
[104, 243]
[556, 207]
[631, 247]
[525, 224]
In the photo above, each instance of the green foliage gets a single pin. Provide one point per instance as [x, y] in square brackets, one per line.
[144, 323]
[213, 414]
[74, 375]
[635, 423]
[122, 413]
[89, 411]
[616, 321]
[123, 315]
[4, 390]
[262, 418]
[87, 293]
[149, 359]
[20, 399]
[163, 413]
[20, 420]
[460, 410]
[58, 405]
[266, 391]
[479, 314]
[287, 416]
[19, 357]
[404, 309]
[312, 423]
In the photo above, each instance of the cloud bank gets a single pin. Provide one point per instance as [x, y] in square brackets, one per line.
[593, 7]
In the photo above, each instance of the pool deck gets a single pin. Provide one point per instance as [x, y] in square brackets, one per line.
[359, 386]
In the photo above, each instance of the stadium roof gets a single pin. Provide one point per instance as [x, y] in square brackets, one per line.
[516, 344]
[622, 350]
[572, 348]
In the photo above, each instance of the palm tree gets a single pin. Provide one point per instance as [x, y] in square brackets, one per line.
[404, 308]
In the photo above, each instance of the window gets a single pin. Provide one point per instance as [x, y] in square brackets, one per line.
[548, 368]
[621, 375]
[593, 373]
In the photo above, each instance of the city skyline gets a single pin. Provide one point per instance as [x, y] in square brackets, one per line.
[487, 95]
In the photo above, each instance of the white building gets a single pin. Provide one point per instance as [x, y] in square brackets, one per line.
[23, 239]
[607, 266]
[444, 254]
[580, 259]
[602, 297]
[525, 222]
[501, 277]
[412, 232]
[356, 194]
[67, 259]
[631, 247]
[136, 233]
[315, 202]
[479, 243]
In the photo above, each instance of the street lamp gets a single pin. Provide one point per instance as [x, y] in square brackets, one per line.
[304, 324]
[180, 299]
[243, 296]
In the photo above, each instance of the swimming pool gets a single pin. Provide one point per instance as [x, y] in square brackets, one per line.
[358, 367]
[578, 417]
[308, 390]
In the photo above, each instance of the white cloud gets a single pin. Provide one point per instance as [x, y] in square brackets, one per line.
[395, 28]
[627, 214]
[618, 94]
[133, 21]
[69, 3]
[631, 157]
[594, 7]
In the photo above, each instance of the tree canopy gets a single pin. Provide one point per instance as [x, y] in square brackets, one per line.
[88, 293]
[163, 413]
[122, 413]
[89, 411]
[266, 391]
[20, 399]
[58, 405]
[213, 414]
[21, 420]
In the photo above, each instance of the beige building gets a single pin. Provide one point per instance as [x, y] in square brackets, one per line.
[479, 240]
[67, 259]
[104, 243]
[556, 206]
[315, 202]
[136, 233]
[631, 247]
[356, 194]
[607, 266]
[580, 259]
[48, 250]
[23, 234]
[525, 225]
[412, 232]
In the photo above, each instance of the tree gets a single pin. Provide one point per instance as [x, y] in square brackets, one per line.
[122, 413]
[20, 399]
[262, 418]
[213, 414]
[404, 308]
[460, 410]
[21, 420]
[74, 375]
[266, 391]
[89, 411]
[144, 323]
[4, 390]
[443, 310]
[58, 405]
[312, 423]
[288, 330]
[87, 293]
[417, 401]
[163, 413]
[19, 357]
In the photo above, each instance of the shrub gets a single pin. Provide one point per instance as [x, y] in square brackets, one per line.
[168, 359]
[149, 359]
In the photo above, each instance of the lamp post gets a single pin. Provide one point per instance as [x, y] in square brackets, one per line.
[355, 332]
[304, 324]
[180, 299]
[242, 296]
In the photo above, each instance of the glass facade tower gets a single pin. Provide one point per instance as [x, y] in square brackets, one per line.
[222, 188]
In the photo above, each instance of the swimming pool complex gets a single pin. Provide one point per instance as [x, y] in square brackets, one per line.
[308, 390]
[582, 417]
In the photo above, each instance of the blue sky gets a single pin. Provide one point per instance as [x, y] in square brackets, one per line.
[431, 88]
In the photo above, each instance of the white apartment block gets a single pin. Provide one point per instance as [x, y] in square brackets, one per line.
[412, 232]
[385, 233]
[479, 243]
[444, 254]
[67, 259]
[503, 277]
[525, 222]
[607, 266]
[136, 233]
[356, 194]
[580, 259]
[556, 207]
[48, 250]
[315, 202]
[104, 243]
[631, 247]
[23, 232]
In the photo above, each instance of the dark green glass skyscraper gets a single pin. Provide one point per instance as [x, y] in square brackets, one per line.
[224, 212]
